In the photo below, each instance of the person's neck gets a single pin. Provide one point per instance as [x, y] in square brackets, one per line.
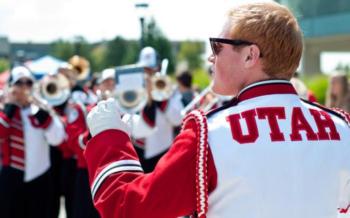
[256, 77]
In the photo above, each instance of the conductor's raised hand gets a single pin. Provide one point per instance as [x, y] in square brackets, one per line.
[105, 116]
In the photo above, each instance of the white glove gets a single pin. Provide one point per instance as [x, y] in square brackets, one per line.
[104, 116]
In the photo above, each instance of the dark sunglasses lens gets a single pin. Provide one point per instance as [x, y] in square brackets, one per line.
[24, 82]
[216, 47]
[29, 83]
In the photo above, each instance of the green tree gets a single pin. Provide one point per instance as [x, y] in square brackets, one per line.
[121, 52]
[156, 39]
[191, 52]
[98, 55]
[62, 49]
[4, 64]
[318, 84]
[81, 47]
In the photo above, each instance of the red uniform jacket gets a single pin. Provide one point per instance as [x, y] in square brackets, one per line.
[131, 193]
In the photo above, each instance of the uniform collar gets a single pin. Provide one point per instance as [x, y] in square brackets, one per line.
[267, 87]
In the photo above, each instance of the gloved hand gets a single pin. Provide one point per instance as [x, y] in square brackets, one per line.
[10, 109]
[42, 116]
[41, 119]
[104, 116]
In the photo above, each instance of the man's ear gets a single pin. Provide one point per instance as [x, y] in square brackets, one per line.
[252, 55]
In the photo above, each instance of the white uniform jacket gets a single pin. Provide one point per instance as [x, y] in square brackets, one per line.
[270, 155]
[26, 147]
[161, 127]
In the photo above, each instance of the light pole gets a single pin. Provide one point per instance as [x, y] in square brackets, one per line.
[141, 8]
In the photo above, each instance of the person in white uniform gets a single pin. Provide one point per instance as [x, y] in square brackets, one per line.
[159, 117]
[26, 131]
[266, 154]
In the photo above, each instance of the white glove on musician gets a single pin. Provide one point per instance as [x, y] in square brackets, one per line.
[104, 116]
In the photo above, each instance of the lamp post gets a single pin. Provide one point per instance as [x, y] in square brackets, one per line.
[141, 8]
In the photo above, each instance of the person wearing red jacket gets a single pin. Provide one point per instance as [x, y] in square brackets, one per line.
[67, 159]
[26, 131]
[83, 205]
[266, 154]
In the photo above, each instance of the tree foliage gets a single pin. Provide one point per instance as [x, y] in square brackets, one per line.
[120, 51]
[190, 52]
[156, 39]
[62, 49]
[4, 64]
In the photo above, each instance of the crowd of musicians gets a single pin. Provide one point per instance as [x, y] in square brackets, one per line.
[43, 132]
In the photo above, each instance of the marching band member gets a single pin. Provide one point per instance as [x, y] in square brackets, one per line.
[92, 88]
[160, 116]
[106, 84]
[267, 154]
[64, 162]
[82, 206]
[63, 158]
[184, 82]
[68, 170]
[26, 131]
[338, 92]
[77, 70]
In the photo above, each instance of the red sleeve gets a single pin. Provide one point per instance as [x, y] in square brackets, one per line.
[121, 189]
[4, 138]
[4, 125]
[74, 130]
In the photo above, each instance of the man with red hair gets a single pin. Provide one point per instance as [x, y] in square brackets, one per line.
[266, 154]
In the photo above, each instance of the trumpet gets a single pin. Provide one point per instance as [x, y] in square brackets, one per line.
[80, 66]
[162, 87]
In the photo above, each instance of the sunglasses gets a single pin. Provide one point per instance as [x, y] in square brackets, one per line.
[26, 82]
[216, 44]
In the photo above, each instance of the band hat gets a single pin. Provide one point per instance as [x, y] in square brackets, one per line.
[20, 72]
[108, 73]
[148, 57]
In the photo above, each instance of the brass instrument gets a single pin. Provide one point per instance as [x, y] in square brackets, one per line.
[131, 100]
[54, 89]
[162, 87]
[208, 105]
[130, 92]
[192, 105]
[80, 66]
